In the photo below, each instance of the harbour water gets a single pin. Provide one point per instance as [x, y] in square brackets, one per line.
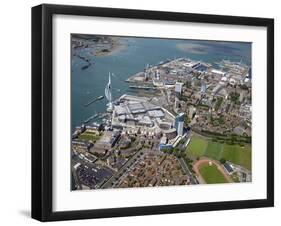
[89, 83]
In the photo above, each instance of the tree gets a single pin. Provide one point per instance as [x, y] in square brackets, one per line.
[178, 154]
[233, 138]
[234, 97]
[182, 154]
[214, 139]
[222, 160]
[165, 150]
[170, 150]
[218, 103]
[186, 120]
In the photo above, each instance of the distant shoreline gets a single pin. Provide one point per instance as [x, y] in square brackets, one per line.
[100, 46]
[117, 47]
[114, 46]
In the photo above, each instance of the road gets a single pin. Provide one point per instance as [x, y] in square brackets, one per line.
[186, 170]
[108, 183]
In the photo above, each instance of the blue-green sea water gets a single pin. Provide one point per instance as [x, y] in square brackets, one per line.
[90, 83]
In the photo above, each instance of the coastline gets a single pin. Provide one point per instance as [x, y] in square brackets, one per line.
[115, 47]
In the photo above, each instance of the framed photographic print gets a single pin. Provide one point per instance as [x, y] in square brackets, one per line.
[146, 112]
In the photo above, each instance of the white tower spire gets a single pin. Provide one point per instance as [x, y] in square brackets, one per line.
[108, 93]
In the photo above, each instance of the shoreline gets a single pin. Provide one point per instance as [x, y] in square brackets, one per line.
[113, 50]
[114, 46]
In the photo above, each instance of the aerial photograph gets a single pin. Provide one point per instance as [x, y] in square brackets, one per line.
[149, 112]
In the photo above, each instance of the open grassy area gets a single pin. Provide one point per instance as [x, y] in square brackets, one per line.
[197, 146]
[211, 174]
[89, 136]
[213, 150]
[238, 155]
[200, 146]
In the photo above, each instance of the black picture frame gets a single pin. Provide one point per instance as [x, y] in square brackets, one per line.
[42, 107]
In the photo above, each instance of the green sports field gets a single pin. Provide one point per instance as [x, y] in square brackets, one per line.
[211, 174]
[89, 136]
[200, 146]
[197, 146]
[213, 150]
[238, 155]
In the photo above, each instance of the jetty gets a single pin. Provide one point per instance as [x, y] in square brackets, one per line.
[141, 87]
[94, 100]
[90, 118]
